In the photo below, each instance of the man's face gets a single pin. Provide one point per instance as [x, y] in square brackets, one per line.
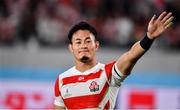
[84, 46]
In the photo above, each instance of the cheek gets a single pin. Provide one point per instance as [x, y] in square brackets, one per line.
[74, 50]
[93, 50]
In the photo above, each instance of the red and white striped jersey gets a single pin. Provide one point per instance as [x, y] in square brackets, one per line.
[96, 88]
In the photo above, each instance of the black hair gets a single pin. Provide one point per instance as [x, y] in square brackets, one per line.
[81, 26]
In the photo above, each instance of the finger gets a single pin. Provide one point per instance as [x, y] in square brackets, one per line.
[152, 19]
[168, 20]
[161, 16]
[169, 25]
[166, 17]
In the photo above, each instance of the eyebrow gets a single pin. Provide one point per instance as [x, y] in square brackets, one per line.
[80, 39]
[87, 38]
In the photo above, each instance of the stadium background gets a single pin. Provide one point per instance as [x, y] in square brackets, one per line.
[33, 49]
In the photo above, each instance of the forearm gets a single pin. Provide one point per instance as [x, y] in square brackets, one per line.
[135, 53]
[127, 61]
[139, 48]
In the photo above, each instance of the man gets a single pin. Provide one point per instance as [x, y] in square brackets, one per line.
[93, 85]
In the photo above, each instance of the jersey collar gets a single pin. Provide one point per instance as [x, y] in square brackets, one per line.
[95, 68]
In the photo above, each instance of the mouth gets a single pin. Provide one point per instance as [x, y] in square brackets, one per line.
[84, 51]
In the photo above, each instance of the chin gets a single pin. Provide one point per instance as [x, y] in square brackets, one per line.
[85, 59]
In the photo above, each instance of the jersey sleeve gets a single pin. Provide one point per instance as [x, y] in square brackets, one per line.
[58, 99]
[115, 77]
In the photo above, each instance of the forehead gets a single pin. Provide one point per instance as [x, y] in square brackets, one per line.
[83, 34]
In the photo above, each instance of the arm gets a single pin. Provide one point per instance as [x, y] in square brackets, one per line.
[155, 28]
[59, 107]
[58, 102]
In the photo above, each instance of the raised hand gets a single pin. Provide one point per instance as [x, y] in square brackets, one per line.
[157, 26]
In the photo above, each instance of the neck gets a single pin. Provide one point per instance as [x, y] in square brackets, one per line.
[80, 66]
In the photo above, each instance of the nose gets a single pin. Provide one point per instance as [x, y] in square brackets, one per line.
[84, 45]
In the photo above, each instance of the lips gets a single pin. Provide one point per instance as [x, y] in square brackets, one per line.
[84, 51]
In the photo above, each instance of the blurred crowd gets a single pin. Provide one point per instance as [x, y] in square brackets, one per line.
[118, 22]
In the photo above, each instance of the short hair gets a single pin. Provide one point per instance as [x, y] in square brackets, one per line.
[81, 26]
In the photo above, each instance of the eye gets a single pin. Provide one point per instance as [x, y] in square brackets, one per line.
[88, 41]
[78, 42]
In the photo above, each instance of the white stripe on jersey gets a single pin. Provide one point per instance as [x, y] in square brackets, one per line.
[83, 87]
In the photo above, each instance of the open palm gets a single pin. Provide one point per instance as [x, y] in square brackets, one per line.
[159, 25]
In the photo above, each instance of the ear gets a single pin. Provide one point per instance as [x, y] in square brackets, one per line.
[70, 48]
[97, 45]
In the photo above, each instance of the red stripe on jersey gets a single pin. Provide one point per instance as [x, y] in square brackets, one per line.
[56, 88]
[87, 101]
[107, 105]
[81, 78]
[108, 68]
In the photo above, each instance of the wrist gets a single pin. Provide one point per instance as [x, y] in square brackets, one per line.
[146, 42]
[150, 36]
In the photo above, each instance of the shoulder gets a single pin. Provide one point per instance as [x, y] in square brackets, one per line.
[107, 67]
[67, 73]
[110, 64]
